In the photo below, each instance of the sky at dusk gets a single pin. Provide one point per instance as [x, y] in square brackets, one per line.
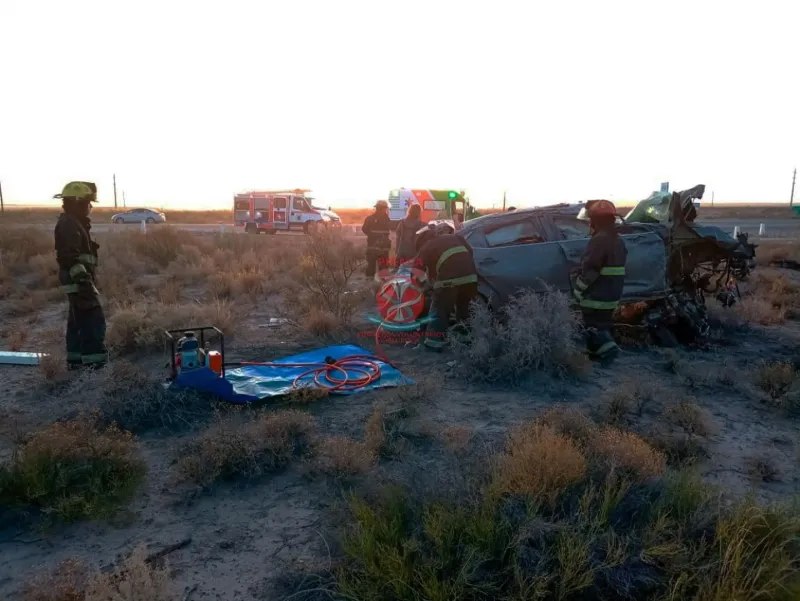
[190, 102]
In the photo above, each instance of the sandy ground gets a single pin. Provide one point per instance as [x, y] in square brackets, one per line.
[249, 541]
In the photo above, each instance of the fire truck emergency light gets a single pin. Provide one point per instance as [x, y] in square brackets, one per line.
[452, 194]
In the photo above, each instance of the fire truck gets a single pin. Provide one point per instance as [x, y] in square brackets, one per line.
[436, 204]
[272, 211]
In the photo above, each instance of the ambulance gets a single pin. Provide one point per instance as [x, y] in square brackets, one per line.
[436, 204]
[272, 211]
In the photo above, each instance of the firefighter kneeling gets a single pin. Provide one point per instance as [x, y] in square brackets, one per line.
[600, 281]
[450, 270]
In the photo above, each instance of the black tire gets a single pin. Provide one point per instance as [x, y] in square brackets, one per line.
[250, 228]
[150, 220]
[309, 227]
[119, 220]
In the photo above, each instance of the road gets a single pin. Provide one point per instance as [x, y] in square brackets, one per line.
[774, 228]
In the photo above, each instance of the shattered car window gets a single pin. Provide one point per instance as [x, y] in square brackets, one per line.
[520, 232]
[570, 227]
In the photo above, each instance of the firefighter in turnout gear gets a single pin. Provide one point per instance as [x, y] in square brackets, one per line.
[76, 254]
[450, 270]
[377, 228]
[599, 283]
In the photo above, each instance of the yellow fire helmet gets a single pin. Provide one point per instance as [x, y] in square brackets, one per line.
[79, 190]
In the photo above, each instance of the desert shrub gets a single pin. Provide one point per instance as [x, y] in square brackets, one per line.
[340, 456]
[138, 402]
[19, 245]
[141, 326]
[775, 378]
[234, 448]
[628, 398]
[456, 438]
[536, 331]
[135, 579]
[72, 470]
[627, 454]
[539, 463]
[569, 421]
[688, 416]
[327, 264]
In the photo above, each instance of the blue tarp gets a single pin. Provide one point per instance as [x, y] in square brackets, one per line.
[256, 382]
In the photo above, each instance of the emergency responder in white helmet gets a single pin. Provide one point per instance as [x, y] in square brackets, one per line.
[450, 269]
[598, 285]
[76, 254]
[377, 228]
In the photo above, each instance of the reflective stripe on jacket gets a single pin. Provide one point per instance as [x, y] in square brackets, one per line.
[448, 261]
[601, 280]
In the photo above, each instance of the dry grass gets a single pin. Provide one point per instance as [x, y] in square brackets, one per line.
[340, 457]
[135, 579]
[764, 468]
[72, 470]
[456, 438]
[692, 419]
[627, 454]
[234, 448]
[538, 462]
[626, 399]
[537, 332]
[569, 421]
[775, 378]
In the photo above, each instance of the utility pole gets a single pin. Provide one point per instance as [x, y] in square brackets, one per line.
[2, 206]
[791, 197]
[712, 198]
[504, 201]
[124, 202]
[115, 190]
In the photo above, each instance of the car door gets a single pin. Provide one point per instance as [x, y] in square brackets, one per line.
[645, 267]
[515, 255]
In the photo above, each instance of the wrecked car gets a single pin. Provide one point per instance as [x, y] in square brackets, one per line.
[672, 261]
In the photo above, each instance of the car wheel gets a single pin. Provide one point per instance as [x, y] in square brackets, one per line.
[250, 228]
[150, 220]
[308, 227]
[119, 220]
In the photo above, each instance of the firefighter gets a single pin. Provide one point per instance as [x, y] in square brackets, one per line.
[76, 254]
[407, 229]
[377, 228]
[599, 282]
[450, 269]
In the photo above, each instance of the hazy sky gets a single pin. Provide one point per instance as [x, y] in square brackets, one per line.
[191, 101]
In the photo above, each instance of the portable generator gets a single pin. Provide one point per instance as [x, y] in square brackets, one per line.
[187, 353]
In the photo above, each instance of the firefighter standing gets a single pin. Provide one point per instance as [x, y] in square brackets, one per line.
[405, 247]
[377, 228]
[450, 269]
[599, 283]
[76, 254]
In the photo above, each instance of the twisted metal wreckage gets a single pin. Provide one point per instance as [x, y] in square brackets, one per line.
[673, 262]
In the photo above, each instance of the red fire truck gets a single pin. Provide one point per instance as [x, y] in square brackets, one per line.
[271, 211]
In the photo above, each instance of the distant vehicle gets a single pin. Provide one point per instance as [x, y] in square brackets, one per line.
[139, 215]
[436, 204]
[271, 211]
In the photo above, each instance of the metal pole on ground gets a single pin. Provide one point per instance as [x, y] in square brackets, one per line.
[2, 206]
[144, 227]
[115, 190]
[762, 230]
[791, 196]
[735, 230]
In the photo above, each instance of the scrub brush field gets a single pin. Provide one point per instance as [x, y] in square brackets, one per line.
[513, 468]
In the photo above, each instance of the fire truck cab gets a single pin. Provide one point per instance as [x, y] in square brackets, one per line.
[436, 204]
[271, 211]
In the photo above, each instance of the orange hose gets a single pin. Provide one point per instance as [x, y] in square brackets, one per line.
[362, 364]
